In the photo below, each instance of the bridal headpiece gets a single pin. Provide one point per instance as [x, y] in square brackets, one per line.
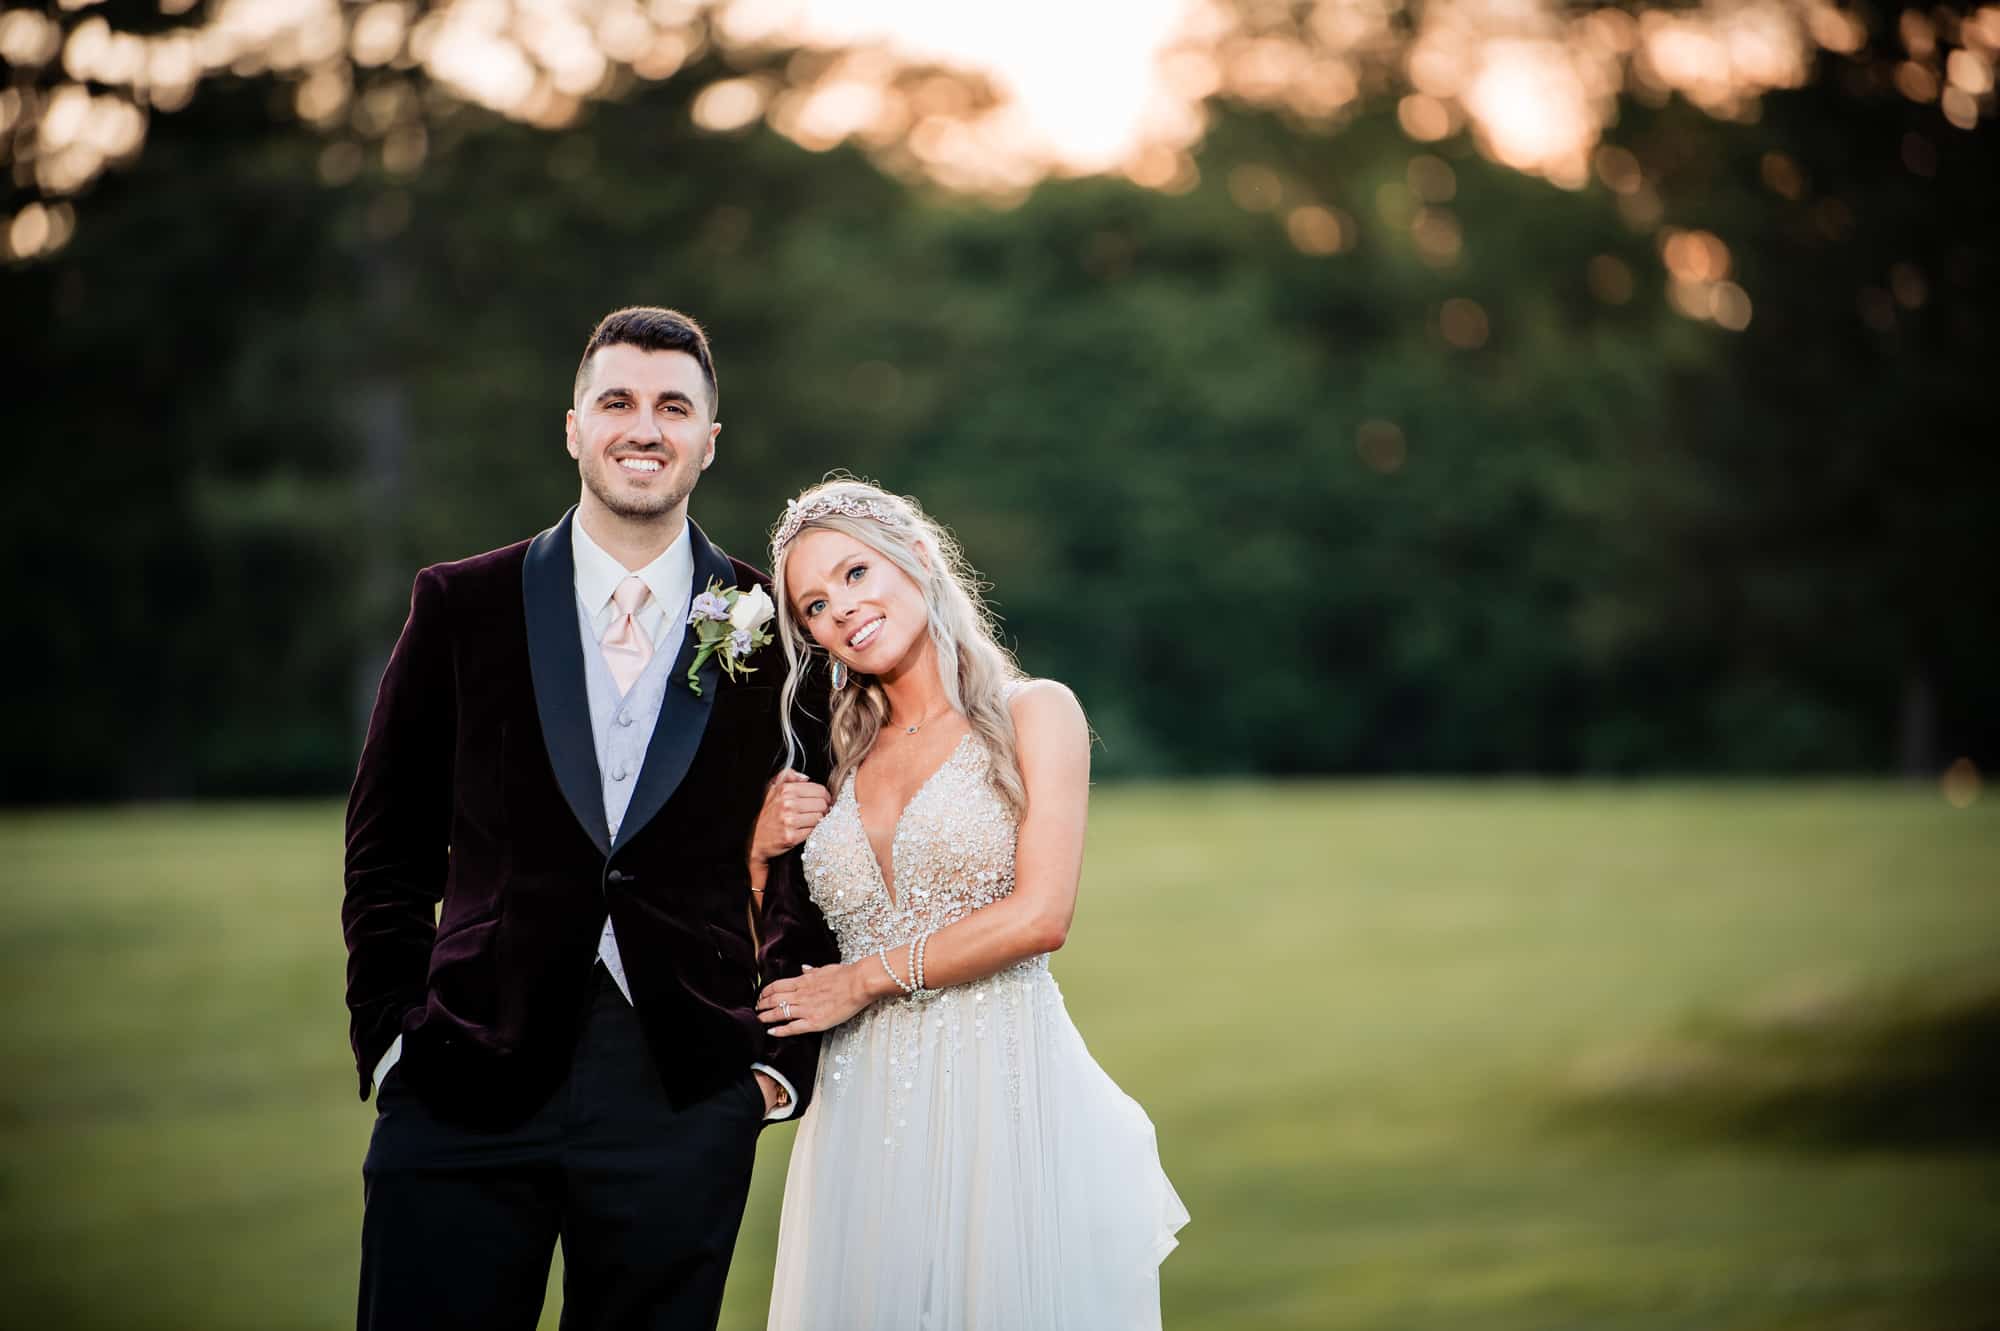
[798, 515]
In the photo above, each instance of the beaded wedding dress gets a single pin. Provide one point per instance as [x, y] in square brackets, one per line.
[964, 1165]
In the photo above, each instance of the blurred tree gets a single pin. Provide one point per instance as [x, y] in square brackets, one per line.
[1343, 454]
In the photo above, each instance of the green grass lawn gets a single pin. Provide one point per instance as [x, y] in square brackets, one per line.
[1421, 1057]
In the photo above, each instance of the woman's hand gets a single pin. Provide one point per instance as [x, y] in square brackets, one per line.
[818, 1000]
[793, 806]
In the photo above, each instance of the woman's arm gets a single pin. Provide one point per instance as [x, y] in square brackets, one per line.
[1053, 741]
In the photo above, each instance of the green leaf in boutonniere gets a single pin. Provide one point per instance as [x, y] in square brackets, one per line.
[729, 624]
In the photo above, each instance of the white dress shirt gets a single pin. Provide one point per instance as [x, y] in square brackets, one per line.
[663, 619]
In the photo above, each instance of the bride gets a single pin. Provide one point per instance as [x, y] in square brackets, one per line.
[964, 1163]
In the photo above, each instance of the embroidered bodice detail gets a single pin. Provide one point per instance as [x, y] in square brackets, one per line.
[951, 853]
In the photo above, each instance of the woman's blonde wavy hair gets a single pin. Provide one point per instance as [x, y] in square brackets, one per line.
[975, 669]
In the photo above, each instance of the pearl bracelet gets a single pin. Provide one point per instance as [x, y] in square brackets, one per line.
[917, 961]
[882, 955]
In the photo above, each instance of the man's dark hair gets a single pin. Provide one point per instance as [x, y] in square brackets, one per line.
[650, 328]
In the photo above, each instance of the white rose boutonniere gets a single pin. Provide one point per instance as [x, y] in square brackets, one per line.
[753, 610]
[729, 624]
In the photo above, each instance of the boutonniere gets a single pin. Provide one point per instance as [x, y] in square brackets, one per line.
[729, 624]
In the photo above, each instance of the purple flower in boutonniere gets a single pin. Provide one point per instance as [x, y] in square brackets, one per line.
[708, 605]
[729, 624]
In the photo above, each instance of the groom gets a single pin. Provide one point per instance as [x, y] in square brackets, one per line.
[572, 1048]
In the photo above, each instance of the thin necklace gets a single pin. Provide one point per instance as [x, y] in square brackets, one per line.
[911, 730]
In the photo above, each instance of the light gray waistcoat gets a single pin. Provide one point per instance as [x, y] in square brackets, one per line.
[622, 728]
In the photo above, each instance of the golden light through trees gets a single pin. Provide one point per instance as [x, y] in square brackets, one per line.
[983, 101]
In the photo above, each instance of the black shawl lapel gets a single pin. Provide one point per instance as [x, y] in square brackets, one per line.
[683, 716]
[555, 659]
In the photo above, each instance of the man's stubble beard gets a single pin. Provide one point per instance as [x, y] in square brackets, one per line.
[646, 506]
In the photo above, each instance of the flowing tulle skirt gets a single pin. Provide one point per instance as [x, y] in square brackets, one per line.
[966, 1166]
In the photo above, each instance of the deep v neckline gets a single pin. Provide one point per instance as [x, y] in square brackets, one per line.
[886, 877]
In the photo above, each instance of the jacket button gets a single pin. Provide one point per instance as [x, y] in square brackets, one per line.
[618, 876]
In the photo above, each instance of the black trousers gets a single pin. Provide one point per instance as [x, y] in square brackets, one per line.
[460, 1224]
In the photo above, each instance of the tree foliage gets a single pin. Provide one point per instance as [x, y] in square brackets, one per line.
[1267, 509]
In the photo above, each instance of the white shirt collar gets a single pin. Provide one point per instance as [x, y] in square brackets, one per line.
[670, 577]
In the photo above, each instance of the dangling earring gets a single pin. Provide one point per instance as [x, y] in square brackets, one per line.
[839, 674]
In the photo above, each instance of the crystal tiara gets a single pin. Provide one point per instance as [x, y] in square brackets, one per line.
[798, 515]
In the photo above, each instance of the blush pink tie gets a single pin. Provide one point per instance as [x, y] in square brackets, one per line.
[626, 647]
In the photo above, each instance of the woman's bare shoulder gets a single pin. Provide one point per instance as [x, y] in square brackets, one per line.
[1047, 714]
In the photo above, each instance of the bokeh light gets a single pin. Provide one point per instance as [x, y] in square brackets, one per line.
[1319, 230]
[1463, 323]
[1610, 279]
[1381, 446]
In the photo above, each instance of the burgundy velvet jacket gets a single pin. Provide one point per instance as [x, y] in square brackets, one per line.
[478, 789]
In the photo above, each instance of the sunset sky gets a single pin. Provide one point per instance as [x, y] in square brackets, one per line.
[1084, 73]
